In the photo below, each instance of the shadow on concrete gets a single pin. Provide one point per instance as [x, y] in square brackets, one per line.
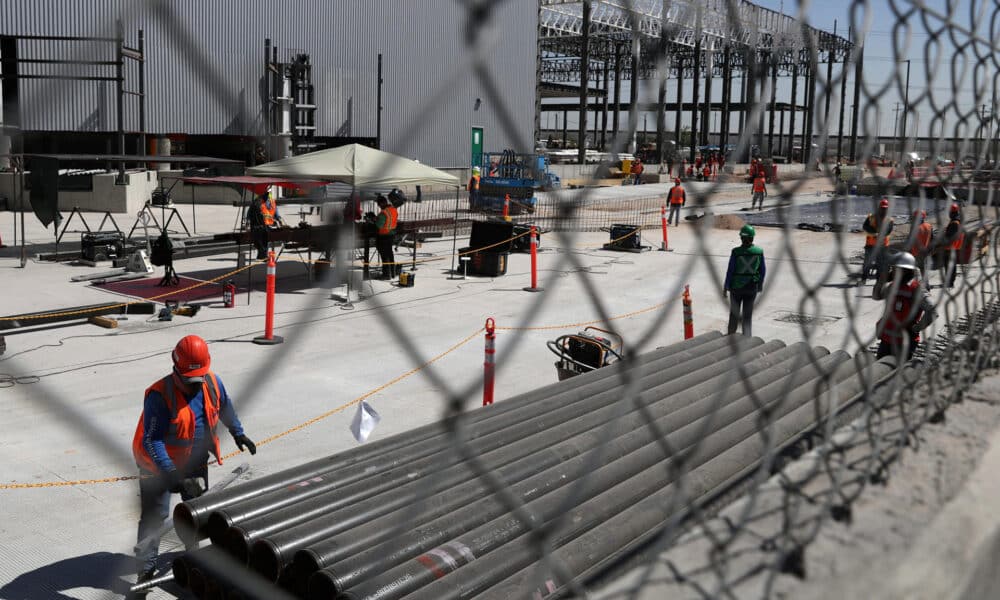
[109, 571]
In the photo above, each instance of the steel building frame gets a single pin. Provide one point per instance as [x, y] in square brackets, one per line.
[700, 40]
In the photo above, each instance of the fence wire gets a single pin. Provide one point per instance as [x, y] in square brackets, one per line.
[766, 534]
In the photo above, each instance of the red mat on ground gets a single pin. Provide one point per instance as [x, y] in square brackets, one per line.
[148, 290]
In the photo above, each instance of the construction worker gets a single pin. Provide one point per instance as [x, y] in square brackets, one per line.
[759, 191]
[678, 198]
[473, 189]
[744, 280]
[173, 440]
[263, 218]
[877, 226]
[921, 232]
[908, 308]
[954, 239]
[637, 169]
[385, 234]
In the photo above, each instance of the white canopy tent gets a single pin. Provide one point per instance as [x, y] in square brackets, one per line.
[363, 168]
[356, 165]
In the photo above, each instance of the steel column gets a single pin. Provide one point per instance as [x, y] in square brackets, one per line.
[843, 104]
[727, 93]
[604, 109]
[680, 108]
[694, 95]
[616, 117]
[774, 102]
[793, 108]
[858, 79]
[810, 118]
[706, 126]
[584, 84]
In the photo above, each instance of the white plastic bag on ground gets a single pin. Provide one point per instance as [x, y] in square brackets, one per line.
[364, 422]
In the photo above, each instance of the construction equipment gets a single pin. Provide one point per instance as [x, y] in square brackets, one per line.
[512, 175]
[585, 351]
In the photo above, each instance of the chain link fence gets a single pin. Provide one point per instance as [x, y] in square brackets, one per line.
[844, 415]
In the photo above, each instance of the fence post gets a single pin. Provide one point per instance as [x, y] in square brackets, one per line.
[534, 262]
[269, 338]
[489, 365]
[688, 319]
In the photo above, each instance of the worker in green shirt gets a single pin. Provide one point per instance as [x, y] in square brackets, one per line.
[744, 280]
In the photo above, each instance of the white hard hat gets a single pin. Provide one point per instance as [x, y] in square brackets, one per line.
[475, 169]
[906, 261]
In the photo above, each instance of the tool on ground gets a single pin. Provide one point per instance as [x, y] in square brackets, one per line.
[585, 351]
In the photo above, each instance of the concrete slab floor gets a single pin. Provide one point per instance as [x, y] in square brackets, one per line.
[76, 422]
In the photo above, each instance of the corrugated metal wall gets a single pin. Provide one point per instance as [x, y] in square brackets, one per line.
[205, 66]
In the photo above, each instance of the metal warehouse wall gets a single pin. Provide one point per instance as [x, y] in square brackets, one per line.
[205, 66]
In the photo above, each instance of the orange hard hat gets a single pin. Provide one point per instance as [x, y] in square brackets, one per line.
[191, 358]
[884, 203]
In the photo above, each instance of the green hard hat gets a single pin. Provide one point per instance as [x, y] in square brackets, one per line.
[747, 231]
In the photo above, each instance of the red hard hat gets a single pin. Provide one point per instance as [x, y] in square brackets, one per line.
[884, 203]
[955, 208]
[677, 180]
[191, 358]
[923, 214]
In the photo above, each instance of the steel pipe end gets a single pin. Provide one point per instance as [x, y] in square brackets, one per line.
[217, 527]
[197, 582]
[186, 524]
[265, 558]
[305, 563]
[181, 570]
[237, 544]
[323, 586]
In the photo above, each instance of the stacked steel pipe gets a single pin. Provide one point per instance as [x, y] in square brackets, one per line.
[595, 464]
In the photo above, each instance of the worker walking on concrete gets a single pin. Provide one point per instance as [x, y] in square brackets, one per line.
[385, 236]
[174, 437]
[920, 234]
[877, 226]
[473, 189]
[954, 239]
[759, 191]
[678, 198]
[908, 309]
[637, 169]
[744, 280]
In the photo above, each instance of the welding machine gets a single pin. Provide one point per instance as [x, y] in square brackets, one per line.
[102, 245]
[585, 351]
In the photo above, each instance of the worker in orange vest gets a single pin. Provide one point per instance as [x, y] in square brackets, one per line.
[385, 236]
[473, 189]
[677, 199]
[174, 437]
[921, 232]
[954, 239]
[759, 191]
[908, 309]
[877, 228]
[637, 169]
[263, 218]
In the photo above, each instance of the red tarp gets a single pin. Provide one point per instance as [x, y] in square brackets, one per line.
[258, 185]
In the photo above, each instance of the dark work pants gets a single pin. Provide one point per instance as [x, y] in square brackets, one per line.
[741, 309]
[259, 237]
[155, 508]
[674, 216]
[949, 263]
[383, 244]
[887, 349]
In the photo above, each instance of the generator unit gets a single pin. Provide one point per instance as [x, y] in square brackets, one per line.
[585, 351]
[512, 175]
[102, 245]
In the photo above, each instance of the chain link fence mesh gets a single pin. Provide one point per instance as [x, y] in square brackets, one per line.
[847, 449]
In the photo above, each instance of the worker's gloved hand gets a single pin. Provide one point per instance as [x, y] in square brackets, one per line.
[191, 487]
[172, 480]
[242, 440]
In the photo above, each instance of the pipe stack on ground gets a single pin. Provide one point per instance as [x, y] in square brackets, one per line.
[597, 462]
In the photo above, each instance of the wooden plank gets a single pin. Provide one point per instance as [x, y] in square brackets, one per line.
[104, 322]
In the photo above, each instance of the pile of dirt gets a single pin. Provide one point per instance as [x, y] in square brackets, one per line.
[731, 222]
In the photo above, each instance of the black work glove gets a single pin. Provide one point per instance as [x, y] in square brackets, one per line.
[191, 487]
[242, 440]
[173, 480]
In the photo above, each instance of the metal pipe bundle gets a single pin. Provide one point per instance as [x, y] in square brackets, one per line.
[270, 554]
[619, 484]
[192, 516]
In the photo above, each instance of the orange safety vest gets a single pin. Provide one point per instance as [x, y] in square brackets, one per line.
[473, 183]
[391, 217]
[180, 435]
[267, 210]
[959, 240]
[898, 321]
[923, 239]
[677, 195]
[758, 184]
[871, 239]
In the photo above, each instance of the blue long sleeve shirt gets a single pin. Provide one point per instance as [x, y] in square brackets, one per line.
[156, 422]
